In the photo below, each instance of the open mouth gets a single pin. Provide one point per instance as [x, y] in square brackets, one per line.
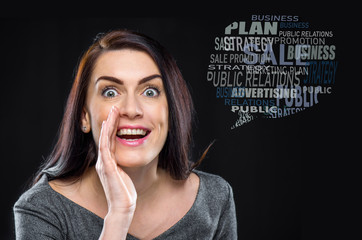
[133, 134]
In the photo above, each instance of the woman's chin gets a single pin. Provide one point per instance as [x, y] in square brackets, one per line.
[131, 161]
[130, 157]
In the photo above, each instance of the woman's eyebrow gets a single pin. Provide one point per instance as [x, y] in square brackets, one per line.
[109, 78]
[149, 78]
[120, 82]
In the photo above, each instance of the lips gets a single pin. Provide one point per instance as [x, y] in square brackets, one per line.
[132, 135]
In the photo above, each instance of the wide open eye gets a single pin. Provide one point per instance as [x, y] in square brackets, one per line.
[109, 93]
[151, 92]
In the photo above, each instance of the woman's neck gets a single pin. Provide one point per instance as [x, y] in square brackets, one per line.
[146, 179]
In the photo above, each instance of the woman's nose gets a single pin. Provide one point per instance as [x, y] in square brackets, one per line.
[130, 107]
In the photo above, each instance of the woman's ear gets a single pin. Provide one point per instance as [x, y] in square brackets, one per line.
[85, 126]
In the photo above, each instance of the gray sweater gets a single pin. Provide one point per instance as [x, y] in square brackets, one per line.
[42, 213]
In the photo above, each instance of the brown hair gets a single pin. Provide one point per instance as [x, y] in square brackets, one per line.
[75, 151]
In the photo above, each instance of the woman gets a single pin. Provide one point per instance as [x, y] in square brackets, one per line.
[120, 168]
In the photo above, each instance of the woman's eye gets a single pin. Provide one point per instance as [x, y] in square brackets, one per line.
[151, 92]
[109, 93]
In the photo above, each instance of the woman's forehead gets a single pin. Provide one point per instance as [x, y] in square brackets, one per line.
[127, 62]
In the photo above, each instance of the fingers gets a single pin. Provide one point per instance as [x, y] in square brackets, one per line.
[102, 148]
[108, 133]
[112, 122]
[107, 142]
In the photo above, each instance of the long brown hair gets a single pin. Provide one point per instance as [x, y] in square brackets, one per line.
[75, 151]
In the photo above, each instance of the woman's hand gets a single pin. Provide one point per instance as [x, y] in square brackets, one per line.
[118, 187]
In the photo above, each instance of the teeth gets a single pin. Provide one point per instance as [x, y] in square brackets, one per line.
[128, 131]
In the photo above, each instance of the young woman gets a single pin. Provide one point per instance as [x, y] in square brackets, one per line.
[120, 168]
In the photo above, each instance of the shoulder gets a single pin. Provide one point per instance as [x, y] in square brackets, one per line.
[214, 186]
[214, 207]
[36, 213]
[41, 201]
[44, 212]
[213, 181]
[37, 195]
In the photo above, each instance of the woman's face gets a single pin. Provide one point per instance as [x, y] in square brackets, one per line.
[131, 81]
